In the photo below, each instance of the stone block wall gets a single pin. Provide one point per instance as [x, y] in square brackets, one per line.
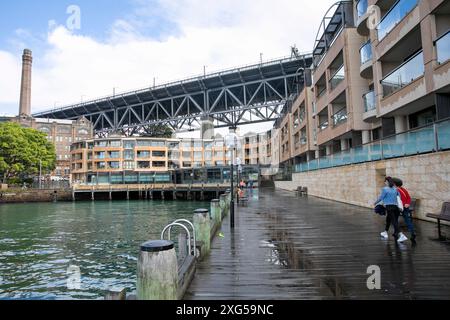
[427, 177]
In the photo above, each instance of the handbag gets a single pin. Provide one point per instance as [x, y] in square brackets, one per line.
[380, 209]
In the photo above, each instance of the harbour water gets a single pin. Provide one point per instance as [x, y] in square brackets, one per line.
[40, 242]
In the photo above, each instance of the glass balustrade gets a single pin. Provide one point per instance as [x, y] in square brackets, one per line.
[361, 7]
[394, 16]
[443, 48]
[369, 101]
[338, 77]
[366, 52]
[340, 117]
[404, 74]
[417, 141]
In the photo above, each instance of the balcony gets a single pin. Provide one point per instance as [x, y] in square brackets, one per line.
[366, 60]
[406, 73]
[361, 23]
[370, 107]
[396, 14]
[323, 126]
[337, 78]
[340, 117]
[443, 48]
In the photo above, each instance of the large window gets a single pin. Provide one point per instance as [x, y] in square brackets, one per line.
[128, 155]
[158, 154]
[443, 48]
[114, 154]
[143, 164]
[114, 165]
[143, 154]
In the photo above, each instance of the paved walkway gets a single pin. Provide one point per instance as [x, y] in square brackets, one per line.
[284, 247]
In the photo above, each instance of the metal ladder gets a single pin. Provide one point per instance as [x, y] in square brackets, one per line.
[183, 224]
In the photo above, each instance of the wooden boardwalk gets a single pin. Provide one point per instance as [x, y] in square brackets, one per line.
[284, 247]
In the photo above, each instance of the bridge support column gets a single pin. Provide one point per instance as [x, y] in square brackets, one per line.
[207, 131]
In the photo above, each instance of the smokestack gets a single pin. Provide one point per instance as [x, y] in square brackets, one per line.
[25, 87]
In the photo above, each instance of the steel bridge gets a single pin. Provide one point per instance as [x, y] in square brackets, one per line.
[250, 94]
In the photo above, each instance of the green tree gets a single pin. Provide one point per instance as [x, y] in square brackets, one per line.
[22, 150]
[158, 131]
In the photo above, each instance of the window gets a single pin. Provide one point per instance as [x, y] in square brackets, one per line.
[208, 155]
[218, 154]
[157, 143]
[186, 145]
[114, 165]
[159, 164]
[101, 165]
[83, 132]
[115, 143]
[100, 155]
[128, 155]
[129, 144]
[198, 144]
[101, 143]
[143, 154]
[114, 154]
[159, 154]
[143, 164]
[198, 155]
[187, 154]
[128, 165]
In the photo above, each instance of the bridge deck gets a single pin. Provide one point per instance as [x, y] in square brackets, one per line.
[285, 247]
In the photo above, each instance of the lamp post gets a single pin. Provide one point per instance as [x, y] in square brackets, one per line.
[232, 143]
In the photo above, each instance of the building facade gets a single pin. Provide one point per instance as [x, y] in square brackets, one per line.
[380, 69]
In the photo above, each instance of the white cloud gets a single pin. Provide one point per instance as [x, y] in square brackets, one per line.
[219, 34]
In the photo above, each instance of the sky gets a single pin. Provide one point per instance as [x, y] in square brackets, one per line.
[90, 48]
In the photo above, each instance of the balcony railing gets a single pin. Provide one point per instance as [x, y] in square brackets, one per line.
[369, 101]
[443, 48]
[340, 117]
[431, 138]
[366, 52]
[323, 125]
[394, 16]
[404, 74]
[361, 7]
[337, 77]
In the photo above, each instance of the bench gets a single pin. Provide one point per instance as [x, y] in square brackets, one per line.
[444, 215]
[304, 191]
[243, 201]
[298, 191]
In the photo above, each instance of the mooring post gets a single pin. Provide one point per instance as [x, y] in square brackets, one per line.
[73, 193]
[128, 192]
[157, 277]
[175, 195]
[110, 194]
[93, 194]
[202, 225]
[216, 214]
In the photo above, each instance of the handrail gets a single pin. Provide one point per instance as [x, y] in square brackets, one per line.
[182, 226]
[193, 230]
[389, 12]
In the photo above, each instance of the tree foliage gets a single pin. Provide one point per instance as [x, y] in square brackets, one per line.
[21, 151]
[159, 131]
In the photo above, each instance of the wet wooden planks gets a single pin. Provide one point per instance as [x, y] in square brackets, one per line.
[285, 247]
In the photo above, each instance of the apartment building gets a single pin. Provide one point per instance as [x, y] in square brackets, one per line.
[380, 69]
[117, 160]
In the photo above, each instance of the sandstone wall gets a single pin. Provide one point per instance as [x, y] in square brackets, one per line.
[427, 177]
[21, 196]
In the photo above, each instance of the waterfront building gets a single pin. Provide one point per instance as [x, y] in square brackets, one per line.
[143, 160]
[370, 82]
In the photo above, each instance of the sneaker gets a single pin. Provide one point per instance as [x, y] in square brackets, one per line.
[384, 235]
[402, 238]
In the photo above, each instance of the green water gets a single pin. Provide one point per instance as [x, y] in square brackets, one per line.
[39, 242]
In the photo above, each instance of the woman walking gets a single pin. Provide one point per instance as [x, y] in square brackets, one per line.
[407, 214]
[388, 197]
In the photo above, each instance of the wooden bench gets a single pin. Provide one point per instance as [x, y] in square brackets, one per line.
[243, 201]
[444, 215]
[298, 191]
[304, 191]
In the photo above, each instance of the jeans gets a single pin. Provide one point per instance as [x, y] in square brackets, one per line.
[392, 214]
[407, 216]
